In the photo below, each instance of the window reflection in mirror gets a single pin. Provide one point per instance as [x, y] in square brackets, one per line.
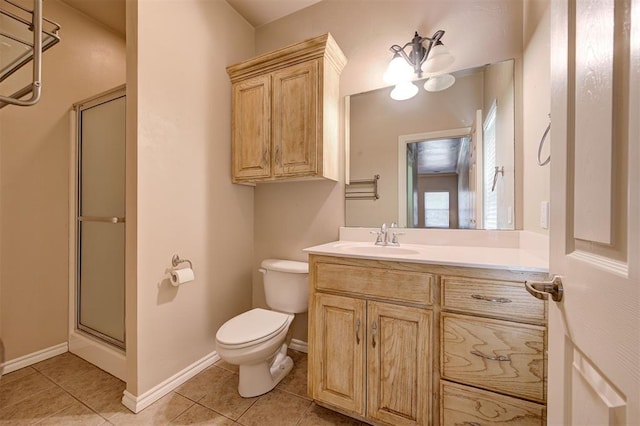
[434, 143]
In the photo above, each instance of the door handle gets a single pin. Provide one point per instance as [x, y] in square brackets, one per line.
[542, 289]
[107, 219]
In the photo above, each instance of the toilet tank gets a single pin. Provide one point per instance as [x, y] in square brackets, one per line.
[286, 285]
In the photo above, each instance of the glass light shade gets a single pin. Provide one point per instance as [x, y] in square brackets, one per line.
[439, 82]
[439, 59]
[398, 70]
[403, 91]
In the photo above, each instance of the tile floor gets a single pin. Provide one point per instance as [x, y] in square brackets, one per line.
[66, 390]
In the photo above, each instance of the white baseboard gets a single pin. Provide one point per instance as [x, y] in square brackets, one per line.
[102, 355]
[299, 345]
[29, 359]
[139, 403]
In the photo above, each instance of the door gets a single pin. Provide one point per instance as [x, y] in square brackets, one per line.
[295, 115]
[100, 218]
[339, 351]
[399, 363]
[594, 333]
[251, 128]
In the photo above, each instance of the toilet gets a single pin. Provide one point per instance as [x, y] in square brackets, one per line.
[256, 340]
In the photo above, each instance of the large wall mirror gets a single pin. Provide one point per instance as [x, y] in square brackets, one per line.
[444, 159]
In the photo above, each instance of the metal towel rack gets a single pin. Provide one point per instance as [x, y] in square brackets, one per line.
[17, 22]
[366, 189]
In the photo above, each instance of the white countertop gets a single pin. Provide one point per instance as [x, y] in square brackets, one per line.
[508, 258]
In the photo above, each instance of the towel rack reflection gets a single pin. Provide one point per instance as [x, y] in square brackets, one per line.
[366, 189]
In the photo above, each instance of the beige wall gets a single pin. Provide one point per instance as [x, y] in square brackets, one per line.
[290, 216]
[34, 169]
[537, 106]
[185, 202]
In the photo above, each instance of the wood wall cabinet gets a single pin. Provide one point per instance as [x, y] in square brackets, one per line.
[285, 107]
[374, 353]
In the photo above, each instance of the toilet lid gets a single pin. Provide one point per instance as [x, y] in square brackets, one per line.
[251, 327]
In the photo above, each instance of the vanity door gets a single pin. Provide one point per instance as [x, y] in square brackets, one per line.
[339, 351]
[398, 364]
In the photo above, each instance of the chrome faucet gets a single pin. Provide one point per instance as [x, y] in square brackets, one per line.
[384, 239]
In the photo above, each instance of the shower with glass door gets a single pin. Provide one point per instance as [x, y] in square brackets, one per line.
[100, 218]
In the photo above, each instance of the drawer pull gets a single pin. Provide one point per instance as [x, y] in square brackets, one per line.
[374, 331]
[491, 299]
[492, 358]
[358, 331]
[468, 424]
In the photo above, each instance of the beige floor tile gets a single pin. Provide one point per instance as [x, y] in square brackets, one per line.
[64, 368]
[200, 385]
[160, 412]
[275, 408]
[76, 414]
[227, 366]
[38, 406]
[199, 415]
[320, 416]
[296, 381]
[16, 375]
[100, 391]
[15, 391]
[223, 397]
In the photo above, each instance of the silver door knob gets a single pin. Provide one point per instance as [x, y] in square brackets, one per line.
[542, 289]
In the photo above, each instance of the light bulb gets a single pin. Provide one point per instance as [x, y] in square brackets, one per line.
[403, 91]
[398, 70]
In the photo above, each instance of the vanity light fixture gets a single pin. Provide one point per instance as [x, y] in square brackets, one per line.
[405, 67]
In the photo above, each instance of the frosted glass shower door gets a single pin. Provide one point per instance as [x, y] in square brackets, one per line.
[100, 218]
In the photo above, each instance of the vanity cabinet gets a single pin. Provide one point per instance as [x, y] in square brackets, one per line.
[285, 113]
[400, 343]
[370, 358]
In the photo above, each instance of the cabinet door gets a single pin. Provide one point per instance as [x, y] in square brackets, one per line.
[399, 364]
[251, 142]
[339, 351]
[295, 120]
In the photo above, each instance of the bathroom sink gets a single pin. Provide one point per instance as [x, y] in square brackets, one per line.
[372, 250]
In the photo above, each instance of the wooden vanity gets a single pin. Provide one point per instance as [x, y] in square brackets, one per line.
[408, 343]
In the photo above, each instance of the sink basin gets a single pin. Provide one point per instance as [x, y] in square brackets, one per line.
[384, 250]
[370, 249]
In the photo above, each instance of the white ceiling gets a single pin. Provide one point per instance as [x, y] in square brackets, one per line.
[257, 12]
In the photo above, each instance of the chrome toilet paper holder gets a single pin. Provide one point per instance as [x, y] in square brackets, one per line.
[175, 261]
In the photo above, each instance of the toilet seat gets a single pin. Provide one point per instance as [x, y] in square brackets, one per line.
[252, 327]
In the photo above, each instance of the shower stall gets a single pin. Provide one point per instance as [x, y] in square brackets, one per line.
[97, 329]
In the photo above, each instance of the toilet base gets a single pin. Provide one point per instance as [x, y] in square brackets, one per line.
[258, 379]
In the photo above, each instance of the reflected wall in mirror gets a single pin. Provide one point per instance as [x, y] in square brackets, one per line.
[445, 159]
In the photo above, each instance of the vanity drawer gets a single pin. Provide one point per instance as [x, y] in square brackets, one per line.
[500, 299]
[464, 405]
[387, 284]
[494, 354]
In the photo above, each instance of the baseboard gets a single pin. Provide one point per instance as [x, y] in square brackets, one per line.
[30, 359]
[139, 403]
[299, 345]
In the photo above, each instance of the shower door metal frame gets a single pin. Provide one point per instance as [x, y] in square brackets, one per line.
[111, 95]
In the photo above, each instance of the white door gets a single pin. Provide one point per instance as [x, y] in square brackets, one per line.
[594, 333]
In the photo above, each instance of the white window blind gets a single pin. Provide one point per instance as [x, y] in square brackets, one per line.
[490, 203]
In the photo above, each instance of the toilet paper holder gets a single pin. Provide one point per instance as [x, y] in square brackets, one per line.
[175, 261]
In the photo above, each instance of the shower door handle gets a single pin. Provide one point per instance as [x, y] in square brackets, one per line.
[106, 219]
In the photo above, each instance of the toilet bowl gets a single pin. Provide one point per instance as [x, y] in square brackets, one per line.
[256, 340]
